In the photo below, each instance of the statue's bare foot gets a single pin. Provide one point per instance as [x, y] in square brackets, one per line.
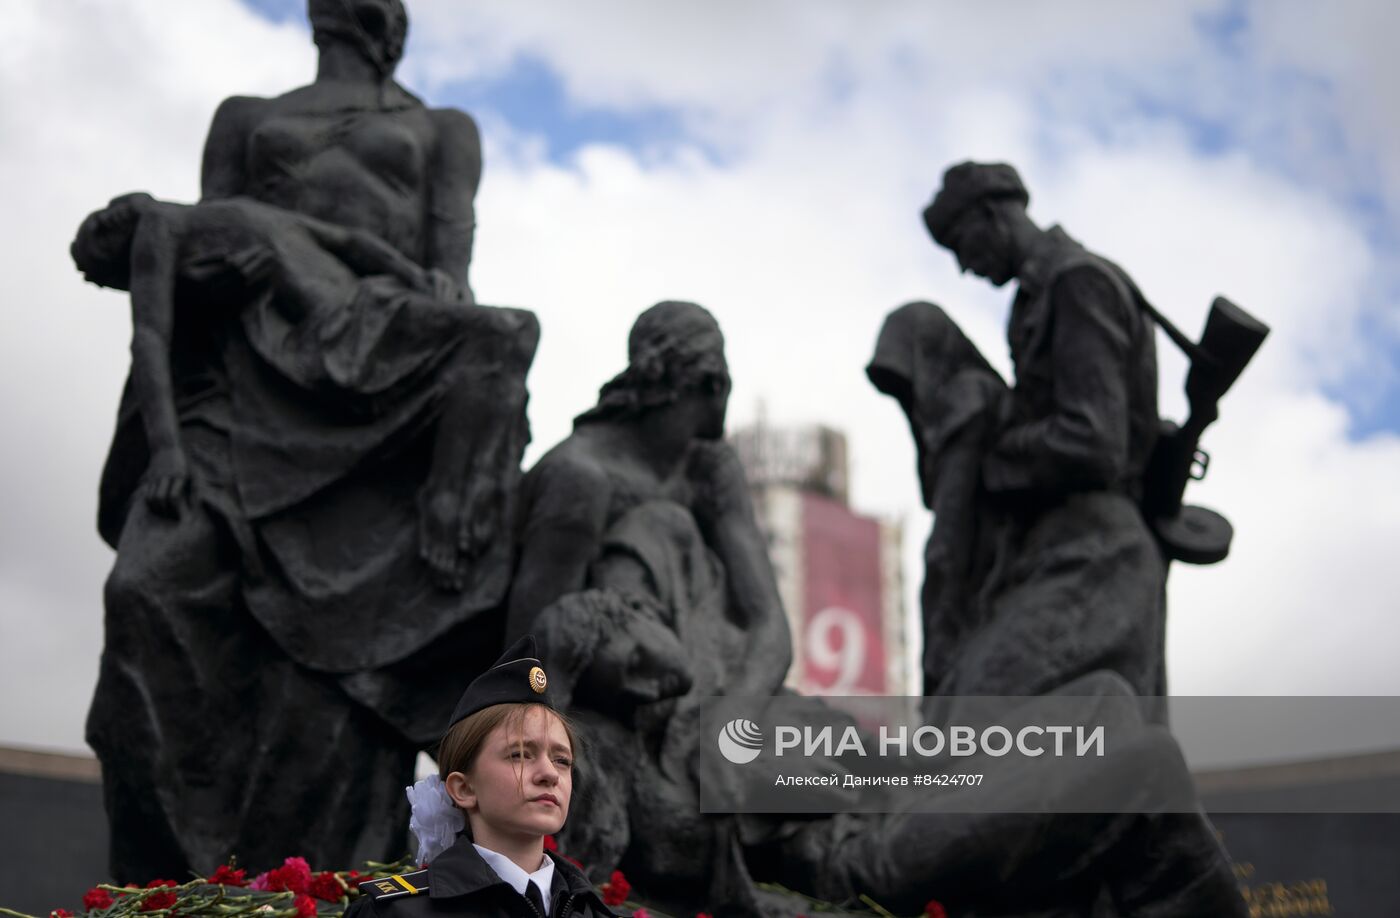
[480, 517]
[437, 537]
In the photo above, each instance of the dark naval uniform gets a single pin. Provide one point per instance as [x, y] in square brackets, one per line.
[460, 882]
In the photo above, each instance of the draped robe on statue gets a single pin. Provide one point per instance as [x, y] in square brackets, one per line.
[286, 616]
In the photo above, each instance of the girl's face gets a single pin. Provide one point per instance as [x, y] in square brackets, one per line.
[521, 782]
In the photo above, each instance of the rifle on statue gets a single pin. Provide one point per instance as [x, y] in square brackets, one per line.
[1192, 534]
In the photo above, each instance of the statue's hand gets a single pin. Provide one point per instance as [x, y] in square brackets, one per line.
[444, 289]
[166, 485]
[248, 267]
[997, 398]
[717, 475]
[254, 264]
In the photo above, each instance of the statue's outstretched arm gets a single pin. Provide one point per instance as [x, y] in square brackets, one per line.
[366, 254]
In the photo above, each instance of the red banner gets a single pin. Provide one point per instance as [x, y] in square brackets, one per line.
[843, 637]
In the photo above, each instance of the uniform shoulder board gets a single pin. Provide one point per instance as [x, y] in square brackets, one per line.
[403, 884]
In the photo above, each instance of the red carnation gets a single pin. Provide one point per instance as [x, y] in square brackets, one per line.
[227, 876]
[641, 913]
[293, 876]
[60, 913]
[96, 898]
[156, 901]
[616, 889]
[326, 885]
[708, 915]
[550, 844]
[935, 909]
[306, 907]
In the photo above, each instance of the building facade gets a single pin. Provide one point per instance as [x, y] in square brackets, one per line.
[839, 572]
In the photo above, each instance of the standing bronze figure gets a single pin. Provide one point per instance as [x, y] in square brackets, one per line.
[313, 464]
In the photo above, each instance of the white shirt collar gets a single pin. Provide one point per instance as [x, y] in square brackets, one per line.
[510, 871]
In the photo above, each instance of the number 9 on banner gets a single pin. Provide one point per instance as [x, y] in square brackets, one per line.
[835, 642]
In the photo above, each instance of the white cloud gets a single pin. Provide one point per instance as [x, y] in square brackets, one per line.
[1348, 49]
[800, 241]
[733, 55]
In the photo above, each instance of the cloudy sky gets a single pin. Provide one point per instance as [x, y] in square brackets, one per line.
[769, 159]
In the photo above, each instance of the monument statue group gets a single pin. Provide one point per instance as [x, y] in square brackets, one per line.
[323, 534]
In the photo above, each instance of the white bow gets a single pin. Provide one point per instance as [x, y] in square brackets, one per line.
[435, 820]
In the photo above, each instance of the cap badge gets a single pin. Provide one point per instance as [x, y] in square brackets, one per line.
[538, 680]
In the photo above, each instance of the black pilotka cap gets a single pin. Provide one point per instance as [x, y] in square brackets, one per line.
[965, 185]
[516, 678]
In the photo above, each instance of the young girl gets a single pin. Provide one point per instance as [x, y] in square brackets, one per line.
[505, 778]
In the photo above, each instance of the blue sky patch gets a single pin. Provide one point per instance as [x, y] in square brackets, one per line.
[1381, 414]
[1371, 391]
[533, 100]
[1225, 27]
[279, 10]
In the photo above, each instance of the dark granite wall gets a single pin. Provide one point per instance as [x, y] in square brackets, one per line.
[53, 848]
[1302, 864]
[53, 842]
